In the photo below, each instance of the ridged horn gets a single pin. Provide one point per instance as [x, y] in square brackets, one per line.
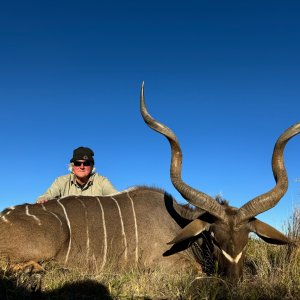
[270, 199]
[194, 197]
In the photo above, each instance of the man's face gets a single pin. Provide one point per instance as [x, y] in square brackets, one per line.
[82, 168]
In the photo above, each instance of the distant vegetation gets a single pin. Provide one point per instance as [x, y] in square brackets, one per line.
[271, 272]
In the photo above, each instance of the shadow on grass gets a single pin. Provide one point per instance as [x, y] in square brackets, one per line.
[87, 290]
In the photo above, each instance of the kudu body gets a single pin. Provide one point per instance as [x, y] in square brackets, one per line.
[129, 228]
[134, 226]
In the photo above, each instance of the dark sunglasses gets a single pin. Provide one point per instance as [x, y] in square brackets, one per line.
[86, 163]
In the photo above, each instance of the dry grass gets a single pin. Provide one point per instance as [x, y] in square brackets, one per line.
[271, 272]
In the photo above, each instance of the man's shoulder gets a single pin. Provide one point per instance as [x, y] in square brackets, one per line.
[97, 176]
[63, 178]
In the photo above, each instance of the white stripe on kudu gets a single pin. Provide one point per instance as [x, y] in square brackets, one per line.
[3, 217]
[105, 235]
[70, 232]
[55, 215]
[87, 231]
[122, 227]
[136, 230]
[32, 216]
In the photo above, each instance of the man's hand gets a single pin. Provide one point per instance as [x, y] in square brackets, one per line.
[41, 201]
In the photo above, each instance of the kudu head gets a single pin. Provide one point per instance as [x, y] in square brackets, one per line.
[229, 227]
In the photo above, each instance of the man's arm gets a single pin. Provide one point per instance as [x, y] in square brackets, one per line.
[54, 191]
[108, 188]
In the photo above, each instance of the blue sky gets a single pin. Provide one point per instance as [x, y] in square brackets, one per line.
[224, 75]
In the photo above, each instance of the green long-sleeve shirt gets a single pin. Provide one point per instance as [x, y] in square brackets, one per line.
[66, 185]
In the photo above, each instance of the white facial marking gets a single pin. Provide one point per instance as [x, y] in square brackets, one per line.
[70, 232]
[234, 260]
[32, 216]
[122, 227]
[105, 236]
[136, 231]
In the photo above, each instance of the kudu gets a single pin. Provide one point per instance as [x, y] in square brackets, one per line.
[134, 226]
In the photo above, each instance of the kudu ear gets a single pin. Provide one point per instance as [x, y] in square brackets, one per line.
[268, 233]
[192, 229]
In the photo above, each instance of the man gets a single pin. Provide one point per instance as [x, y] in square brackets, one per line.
[83, 180]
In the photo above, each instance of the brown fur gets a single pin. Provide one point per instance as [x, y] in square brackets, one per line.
[43, 232]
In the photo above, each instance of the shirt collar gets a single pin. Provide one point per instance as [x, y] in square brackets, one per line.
[90, 181]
